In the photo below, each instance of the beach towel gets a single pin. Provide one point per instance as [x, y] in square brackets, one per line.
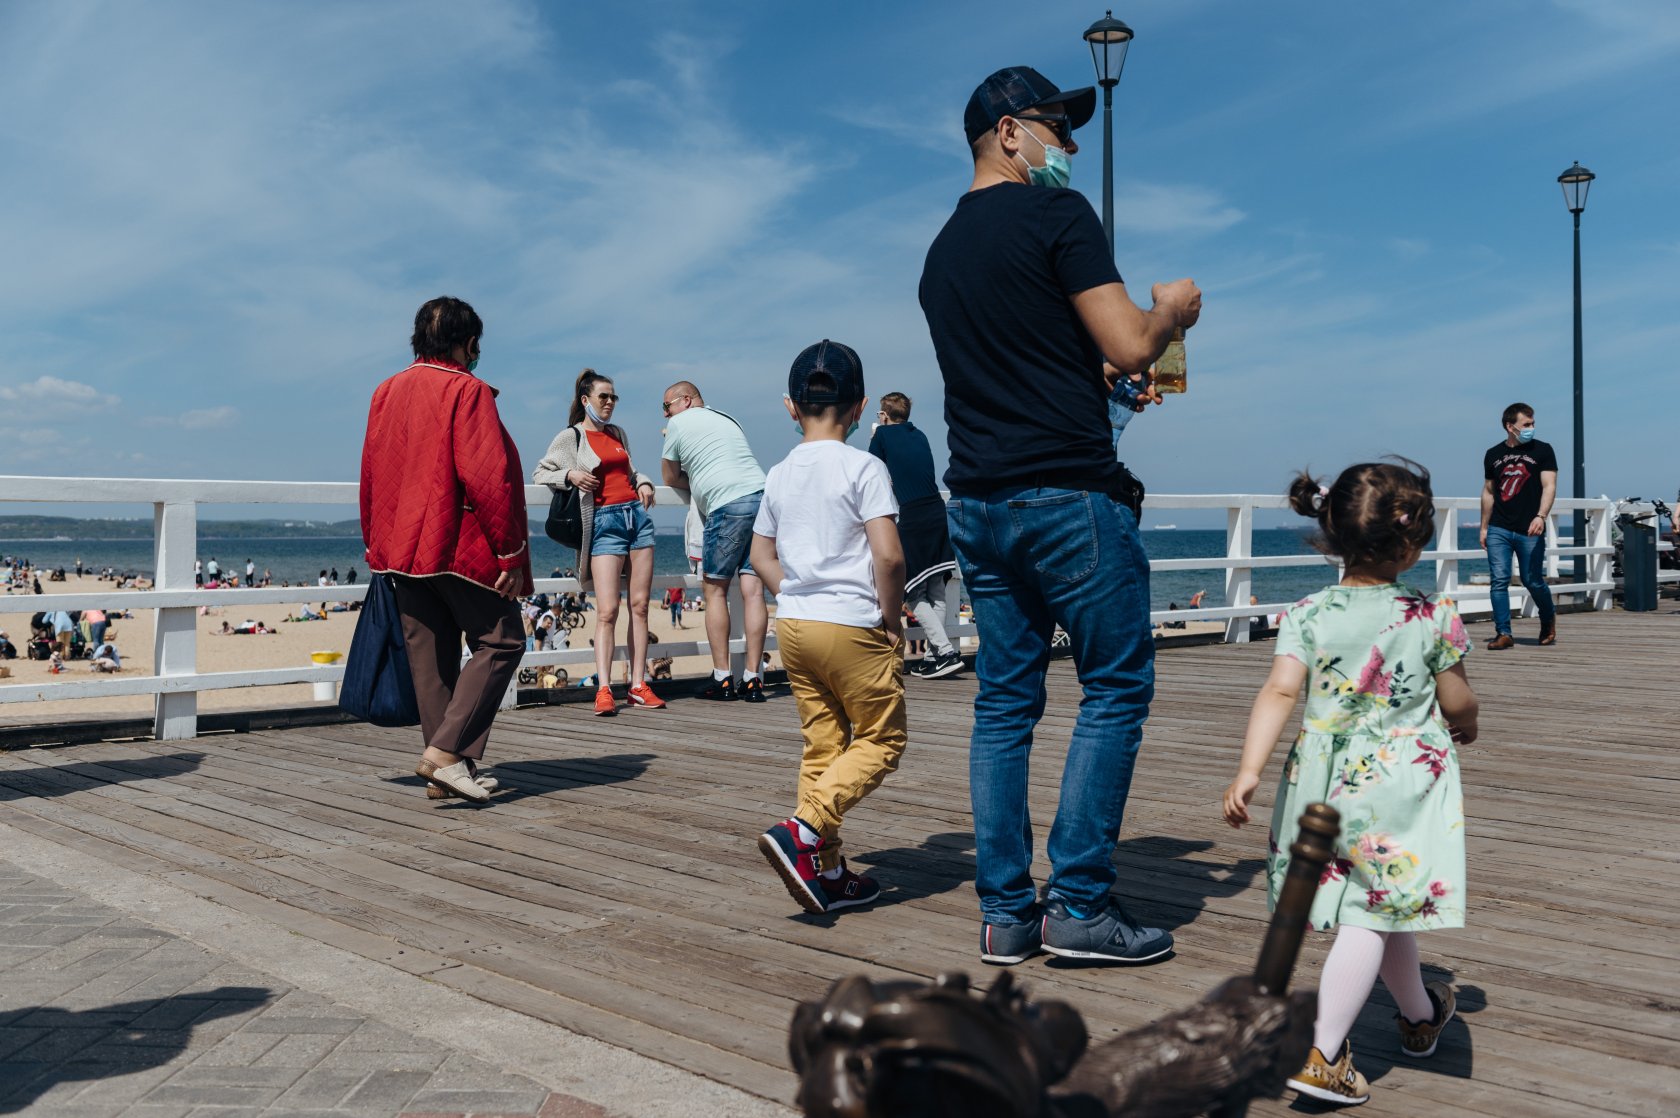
[378, 686]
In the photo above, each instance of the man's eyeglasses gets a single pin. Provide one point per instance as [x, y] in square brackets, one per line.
[666, 405]
[1059, 123]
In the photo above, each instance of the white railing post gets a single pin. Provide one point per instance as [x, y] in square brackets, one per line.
[737, 630]
[1599, 567]
[1239, 544]
[174, 641]
[1446, 539]
[1554, 561]
[953, 610]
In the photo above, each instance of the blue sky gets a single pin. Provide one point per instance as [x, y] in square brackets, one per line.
[219, 219]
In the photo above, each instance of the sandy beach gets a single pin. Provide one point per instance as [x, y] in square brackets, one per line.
[291, 644]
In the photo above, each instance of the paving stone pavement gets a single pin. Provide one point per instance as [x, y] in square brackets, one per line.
[103, 1015]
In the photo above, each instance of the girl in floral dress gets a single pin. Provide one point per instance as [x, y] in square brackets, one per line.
[1387, 701]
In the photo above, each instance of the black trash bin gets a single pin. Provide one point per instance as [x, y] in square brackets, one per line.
[1639, 562]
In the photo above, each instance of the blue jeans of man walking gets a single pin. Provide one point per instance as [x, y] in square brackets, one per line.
[1032, 559]
[1530, 554]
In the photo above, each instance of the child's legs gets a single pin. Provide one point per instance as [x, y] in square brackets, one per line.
[860, 668]
[1349, 973]
[1403, 975]
[822, 720]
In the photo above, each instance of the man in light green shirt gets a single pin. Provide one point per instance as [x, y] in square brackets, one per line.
[706, 453]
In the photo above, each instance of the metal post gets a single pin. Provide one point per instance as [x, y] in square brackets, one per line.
[1580, 421]
[1108, 174]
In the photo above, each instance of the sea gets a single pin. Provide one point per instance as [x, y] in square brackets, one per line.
[302, 560]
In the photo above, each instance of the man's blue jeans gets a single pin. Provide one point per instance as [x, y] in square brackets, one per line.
[1033, 559]
[1530, 552]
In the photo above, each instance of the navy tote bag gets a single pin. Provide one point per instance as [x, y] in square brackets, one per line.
[377, 685]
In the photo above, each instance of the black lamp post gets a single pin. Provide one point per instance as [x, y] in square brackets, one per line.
[1576, 182]
[1109, 40]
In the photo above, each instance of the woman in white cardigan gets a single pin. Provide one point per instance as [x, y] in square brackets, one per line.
[592, 455]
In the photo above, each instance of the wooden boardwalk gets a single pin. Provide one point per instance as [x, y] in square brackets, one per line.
[616, 890]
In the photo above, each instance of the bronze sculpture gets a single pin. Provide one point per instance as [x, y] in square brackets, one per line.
[907, 1048]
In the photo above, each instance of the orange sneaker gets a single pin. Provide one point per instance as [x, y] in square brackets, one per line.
[605, 704]
[642, 695]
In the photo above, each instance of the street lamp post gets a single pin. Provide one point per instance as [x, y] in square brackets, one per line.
[1576, 182]
[1109, 40]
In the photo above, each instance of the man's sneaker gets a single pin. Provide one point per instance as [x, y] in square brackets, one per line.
[605, 704]
[752, 690]
[796, 862]
[642, 695]
[1108, 935]
[920, 667]
[1004, 945]
[1338, 1083]
[721, 690]
[949, 664]
[848, 890]
[1418, 1040]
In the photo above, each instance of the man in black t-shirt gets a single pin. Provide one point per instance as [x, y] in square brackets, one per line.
[1517, 495]
[1023, 303]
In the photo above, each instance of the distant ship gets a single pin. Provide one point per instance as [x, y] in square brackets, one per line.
[1163, 527]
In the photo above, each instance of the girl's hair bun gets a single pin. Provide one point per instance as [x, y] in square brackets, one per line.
[1307, 496]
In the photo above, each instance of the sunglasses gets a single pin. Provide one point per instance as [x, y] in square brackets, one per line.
[1059, 123]
[666, 405]
[607, 397]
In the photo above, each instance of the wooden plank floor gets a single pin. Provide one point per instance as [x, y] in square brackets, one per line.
[616, 890]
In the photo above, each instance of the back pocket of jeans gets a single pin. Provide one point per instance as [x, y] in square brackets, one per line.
[1059, 534]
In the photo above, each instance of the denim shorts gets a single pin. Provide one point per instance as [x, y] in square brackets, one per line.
[729, 537]
[621, 529]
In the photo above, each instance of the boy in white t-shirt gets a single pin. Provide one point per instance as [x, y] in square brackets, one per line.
[826, 544]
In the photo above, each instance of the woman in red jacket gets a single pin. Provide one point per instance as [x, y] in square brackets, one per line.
[443, 511]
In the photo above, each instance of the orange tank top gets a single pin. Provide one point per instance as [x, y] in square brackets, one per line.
[614, 470]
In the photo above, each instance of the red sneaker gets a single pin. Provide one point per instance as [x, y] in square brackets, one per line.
[796, 862]
[642, 695]
[605, 704]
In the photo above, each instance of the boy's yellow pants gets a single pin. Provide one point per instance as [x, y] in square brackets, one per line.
[851, 708]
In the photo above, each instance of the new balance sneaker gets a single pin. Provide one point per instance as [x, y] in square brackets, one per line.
[1418, 1039]
[605, 704]
[1338, 1083]
[796, 862]
[1004, 945]
[721, 690]
[847, 890]
[1107, 936]
[949, 664]
[642, 695]
[752, 690]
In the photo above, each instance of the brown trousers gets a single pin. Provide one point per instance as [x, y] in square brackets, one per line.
[458, 701]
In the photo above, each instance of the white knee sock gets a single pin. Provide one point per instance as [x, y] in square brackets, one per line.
[1349, 973]
[1404, 977]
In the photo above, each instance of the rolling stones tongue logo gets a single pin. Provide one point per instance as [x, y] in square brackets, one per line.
[1512, 478]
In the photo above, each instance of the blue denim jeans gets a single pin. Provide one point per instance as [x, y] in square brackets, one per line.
[1033, 559]
[1530, 552]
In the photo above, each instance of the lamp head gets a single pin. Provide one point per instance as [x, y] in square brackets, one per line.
[1576, 182]
[1109, 40]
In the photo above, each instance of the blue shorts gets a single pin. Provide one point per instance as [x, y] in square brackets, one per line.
[728, 546]
[621, 529]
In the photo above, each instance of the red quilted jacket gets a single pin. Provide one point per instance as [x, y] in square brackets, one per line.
[442, 487]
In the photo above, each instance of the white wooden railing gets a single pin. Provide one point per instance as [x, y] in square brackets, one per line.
[175, 503]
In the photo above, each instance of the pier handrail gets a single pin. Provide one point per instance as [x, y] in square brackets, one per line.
[175, 503]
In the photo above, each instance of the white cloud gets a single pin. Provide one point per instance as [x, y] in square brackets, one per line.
[48, 390]
[200, 419]
[1158, 208]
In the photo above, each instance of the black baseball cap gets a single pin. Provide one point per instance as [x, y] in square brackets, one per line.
[839, 362]
[1014, 90]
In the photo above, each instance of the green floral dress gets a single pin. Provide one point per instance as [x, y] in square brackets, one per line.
[1374, 746]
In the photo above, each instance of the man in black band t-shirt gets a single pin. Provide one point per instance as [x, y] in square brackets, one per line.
[1517, 495]
[1023, 303]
